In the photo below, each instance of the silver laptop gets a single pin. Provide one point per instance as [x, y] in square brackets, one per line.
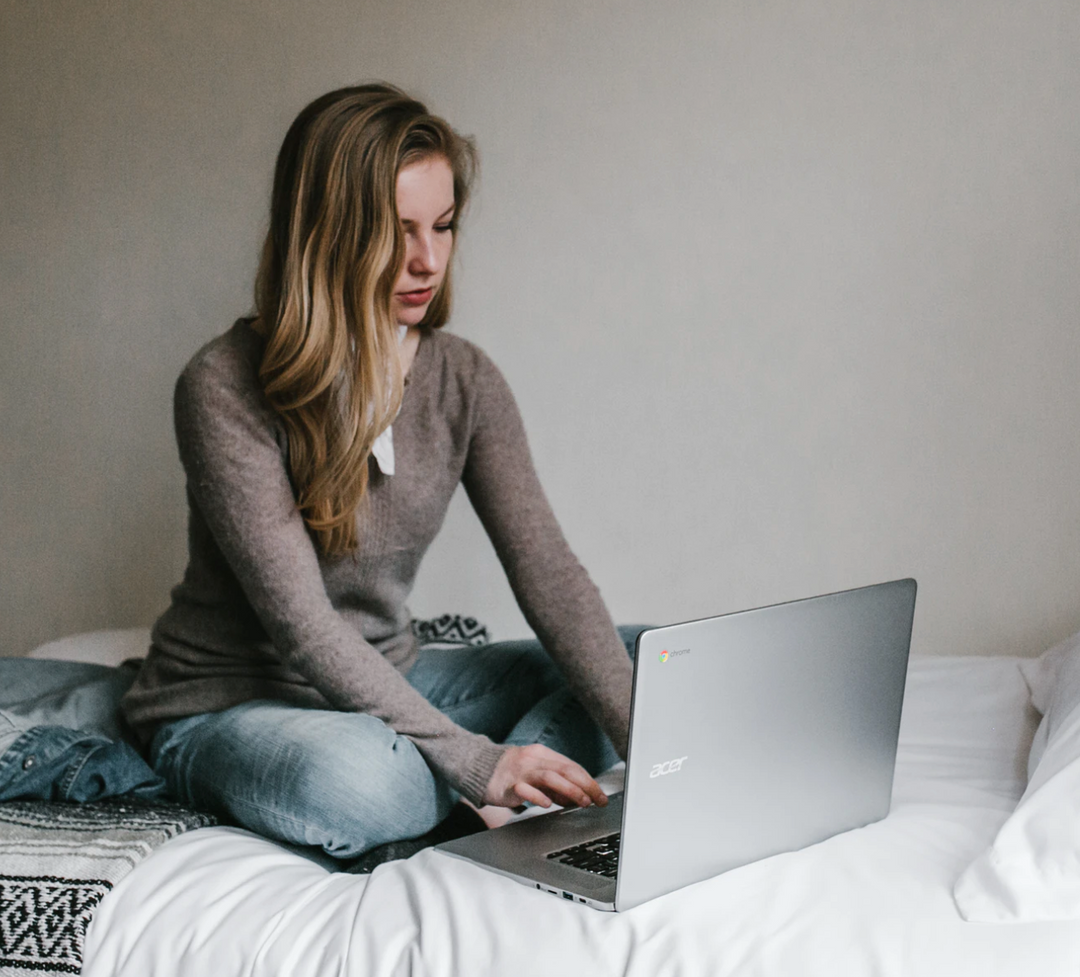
[751, 734]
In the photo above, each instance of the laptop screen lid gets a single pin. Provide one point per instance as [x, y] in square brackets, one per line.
[761, 732]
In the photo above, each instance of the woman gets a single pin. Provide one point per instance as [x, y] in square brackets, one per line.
[322, 441]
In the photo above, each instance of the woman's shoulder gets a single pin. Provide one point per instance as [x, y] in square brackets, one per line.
[227, 365]
[466, 378]
[462, 359]
[222, 378]
[233, 356]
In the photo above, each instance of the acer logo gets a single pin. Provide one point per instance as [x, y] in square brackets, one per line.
[668, 766]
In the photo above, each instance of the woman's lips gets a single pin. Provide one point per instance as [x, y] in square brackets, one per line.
[420, 297]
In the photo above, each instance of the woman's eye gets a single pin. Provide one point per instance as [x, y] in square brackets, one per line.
[443, 228]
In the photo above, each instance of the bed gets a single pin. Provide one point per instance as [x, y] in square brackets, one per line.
[888, 899]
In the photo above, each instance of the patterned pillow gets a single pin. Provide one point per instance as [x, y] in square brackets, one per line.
[449, 631]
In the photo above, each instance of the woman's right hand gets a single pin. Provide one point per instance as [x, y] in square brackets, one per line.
[541, 776]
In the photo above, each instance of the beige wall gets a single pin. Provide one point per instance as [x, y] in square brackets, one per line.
[788, 292]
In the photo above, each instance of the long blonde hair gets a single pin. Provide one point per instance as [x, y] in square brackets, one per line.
[325, 284]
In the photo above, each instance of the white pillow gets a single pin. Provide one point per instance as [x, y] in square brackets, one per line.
[1031, 871]
[98, 647]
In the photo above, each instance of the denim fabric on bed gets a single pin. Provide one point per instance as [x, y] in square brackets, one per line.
[53, 763]
[60, 737]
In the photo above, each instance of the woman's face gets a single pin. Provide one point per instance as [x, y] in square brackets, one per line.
[425, 204]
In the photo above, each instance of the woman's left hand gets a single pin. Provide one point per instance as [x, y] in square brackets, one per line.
[541, 776]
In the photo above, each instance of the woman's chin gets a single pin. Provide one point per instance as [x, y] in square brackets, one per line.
[410, 316]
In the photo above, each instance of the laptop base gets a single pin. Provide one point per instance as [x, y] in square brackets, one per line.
[519, 851]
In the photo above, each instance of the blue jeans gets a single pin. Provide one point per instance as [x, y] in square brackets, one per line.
[345, 781]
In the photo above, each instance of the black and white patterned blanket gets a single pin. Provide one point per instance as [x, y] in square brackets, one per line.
[58, 860]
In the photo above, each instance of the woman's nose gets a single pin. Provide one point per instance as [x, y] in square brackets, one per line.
[422, 260]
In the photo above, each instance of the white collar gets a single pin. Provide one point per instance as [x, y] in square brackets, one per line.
[383, 448]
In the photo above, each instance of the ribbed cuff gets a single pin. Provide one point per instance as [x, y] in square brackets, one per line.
[478, 774]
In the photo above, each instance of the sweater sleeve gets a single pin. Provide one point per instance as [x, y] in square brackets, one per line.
[556, 595]
[236, 475]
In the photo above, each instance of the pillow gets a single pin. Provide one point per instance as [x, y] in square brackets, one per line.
[99, 647]
[1031, 871]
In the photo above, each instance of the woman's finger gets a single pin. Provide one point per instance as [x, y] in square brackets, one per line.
[562, 790]
[574, 772]
[526, 792]
[579, 777]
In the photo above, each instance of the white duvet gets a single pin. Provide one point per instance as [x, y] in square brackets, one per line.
[877, 901]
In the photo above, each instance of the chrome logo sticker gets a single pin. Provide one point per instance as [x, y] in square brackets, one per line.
[665, 654]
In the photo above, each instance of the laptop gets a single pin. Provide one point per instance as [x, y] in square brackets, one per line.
[751, 734]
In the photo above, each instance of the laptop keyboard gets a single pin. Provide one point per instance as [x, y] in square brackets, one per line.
[600, 856]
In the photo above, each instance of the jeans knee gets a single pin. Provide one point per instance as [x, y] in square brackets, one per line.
[385, 792]
[344, 782]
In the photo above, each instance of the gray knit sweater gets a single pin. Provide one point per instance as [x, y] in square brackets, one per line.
[261, 614]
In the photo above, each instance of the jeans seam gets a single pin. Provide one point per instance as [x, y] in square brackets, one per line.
[278, 816]
[73, 771]
[236, 801]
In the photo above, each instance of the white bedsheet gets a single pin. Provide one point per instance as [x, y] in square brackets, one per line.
[876, 901]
